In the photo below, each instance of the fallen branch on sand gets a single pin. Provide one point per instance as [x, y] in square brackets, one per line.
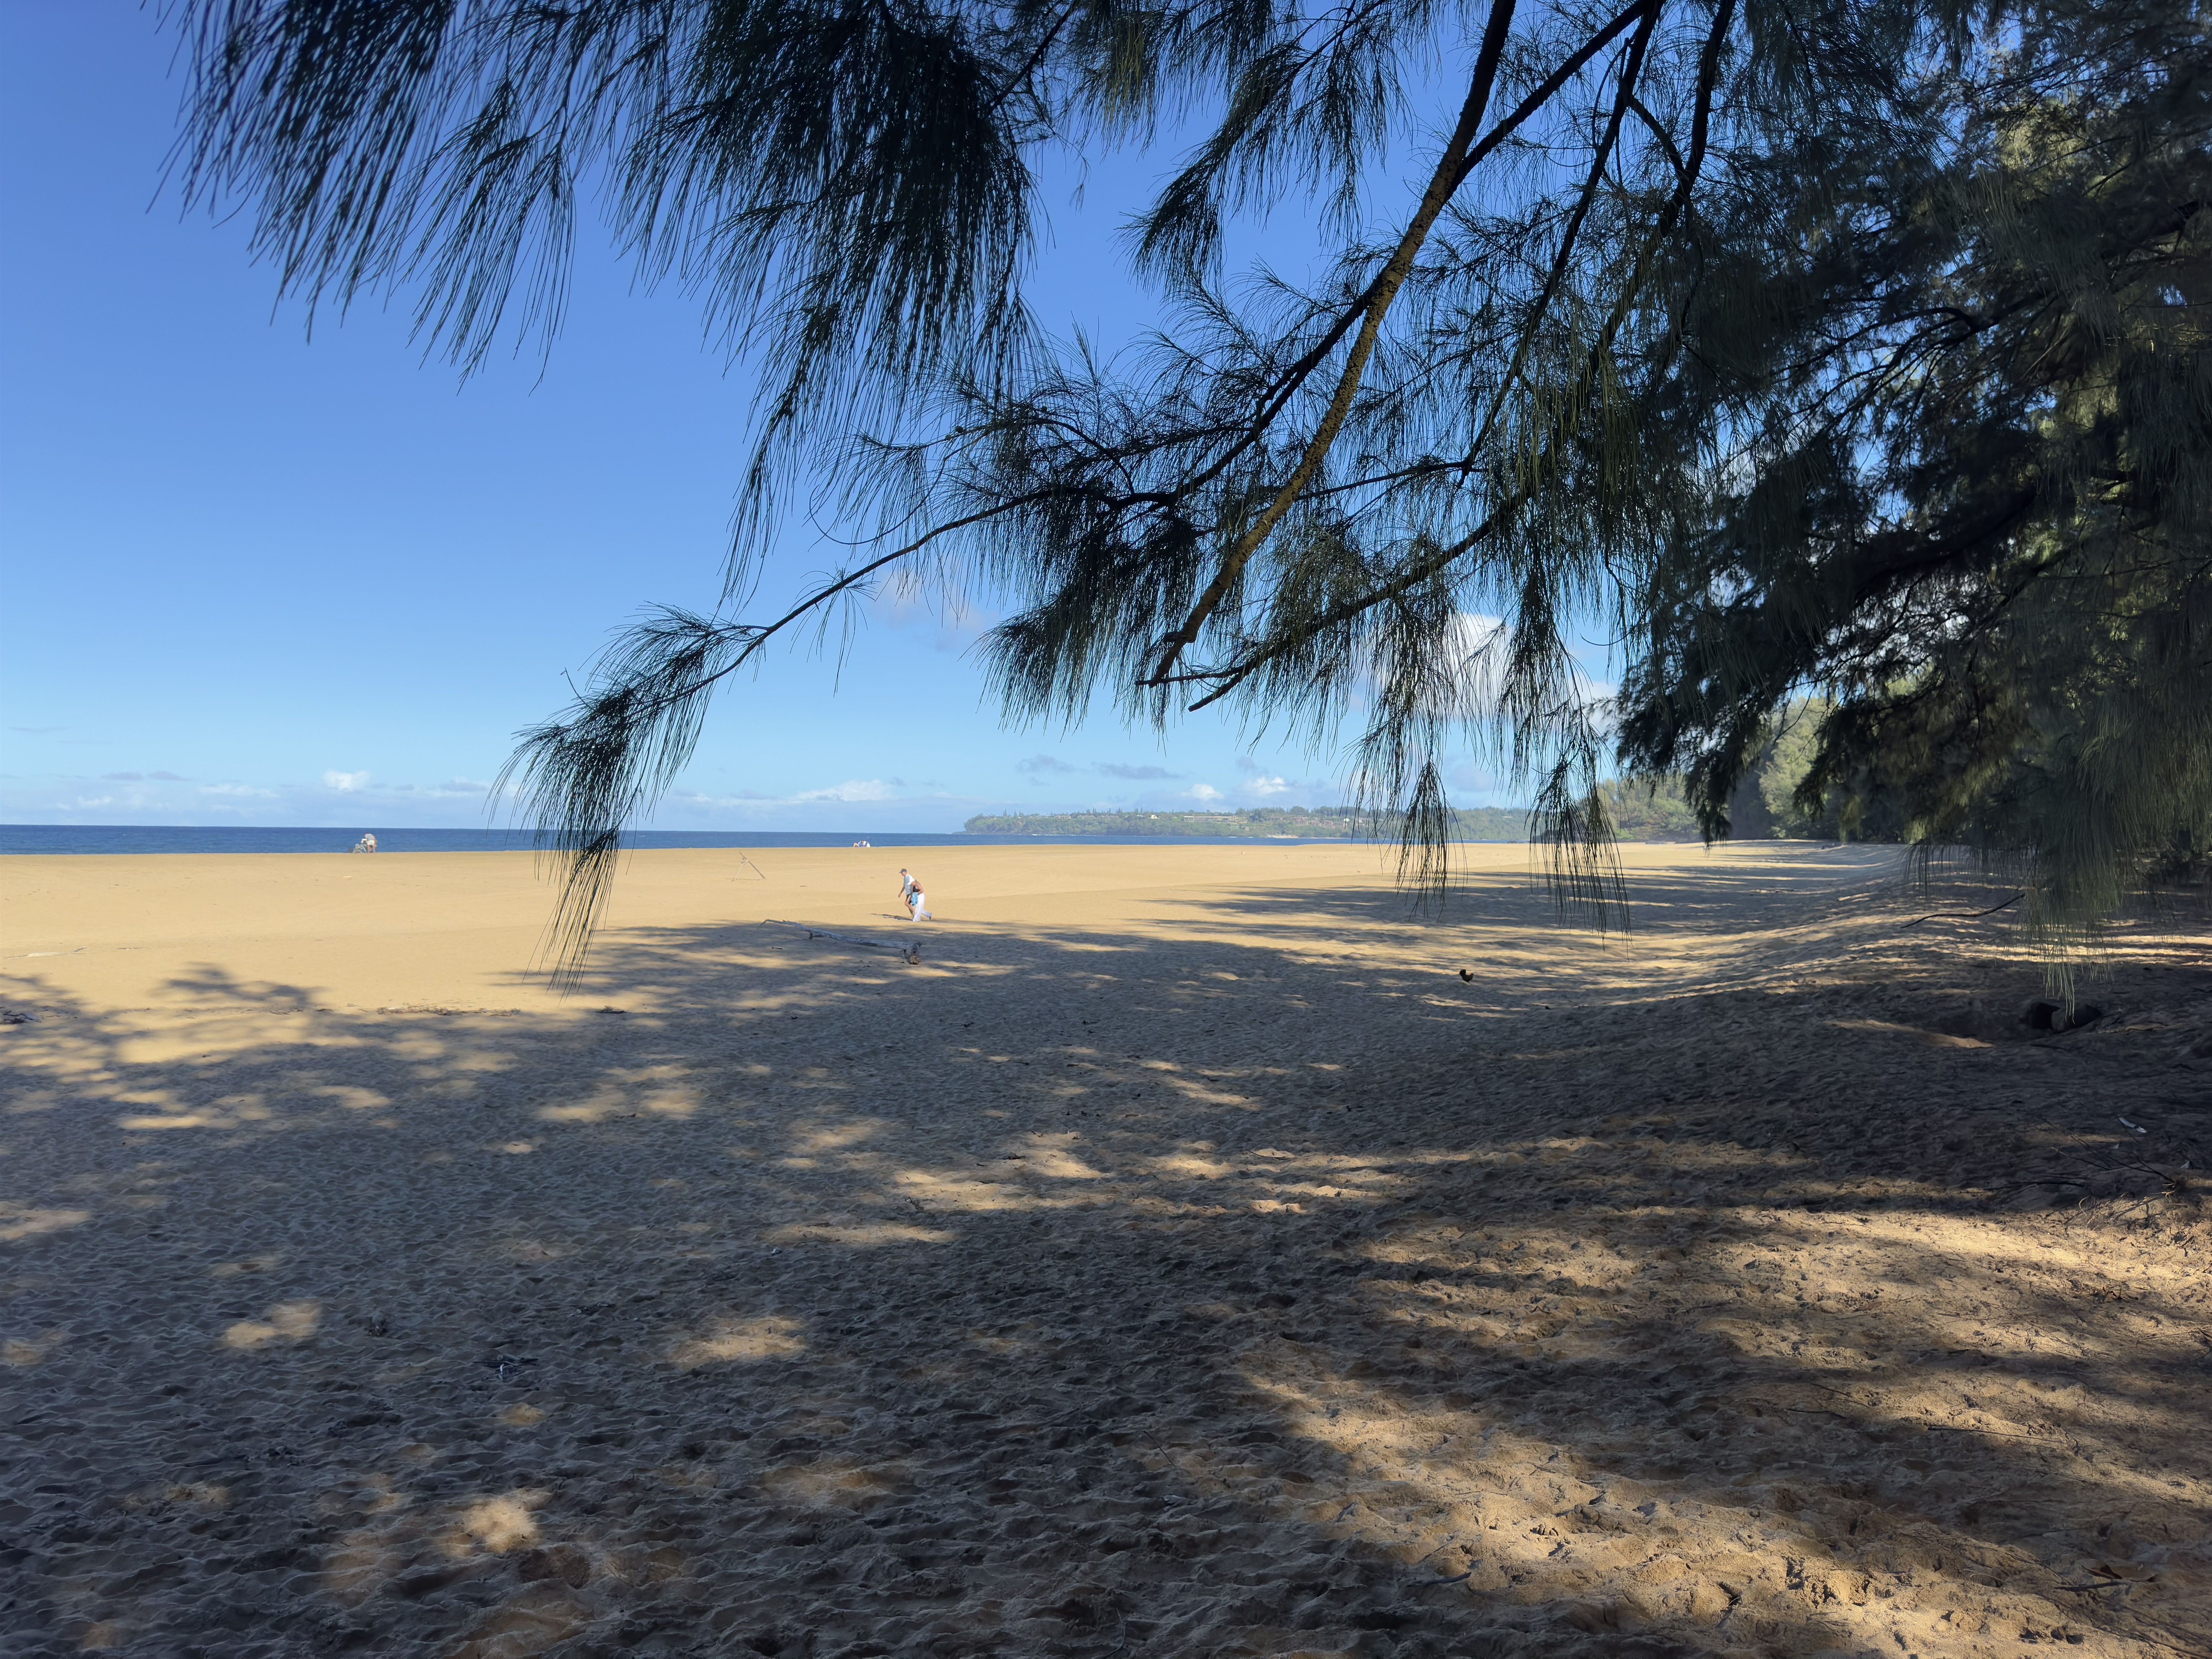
[1966, 916]
[911, 953]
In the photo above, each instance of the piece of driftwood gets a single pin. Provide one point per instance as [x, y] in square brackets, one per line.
[911, 953]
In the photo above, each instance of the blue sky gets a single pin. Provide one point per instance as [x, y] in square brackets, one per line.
[257, 578]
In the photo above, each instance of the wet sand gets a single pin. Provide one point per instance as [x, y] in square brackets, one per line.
[1182, 1259]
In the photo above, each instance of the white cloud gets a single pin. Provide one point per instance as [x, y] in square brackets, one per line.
[344, 782]
[95, 801]
[957, 621]
[853, 789]
[1204, 792]
[1485, 641]
[236, 789]
[1478, 631]
[1264, 785]
[743, 798]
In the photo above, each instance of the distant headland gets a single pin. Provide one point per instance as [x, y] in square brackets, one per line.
[1636, 817]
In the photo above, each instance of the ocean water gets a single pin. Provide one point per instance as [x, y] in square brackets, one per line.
[228, 838]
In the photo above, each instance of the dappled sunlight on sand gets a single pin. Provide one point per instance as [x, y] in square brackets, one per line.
[29, 1220]
[738, 1340]
[498, 1524]
[287, 1322]
[1166, 1266]
[863, 1236]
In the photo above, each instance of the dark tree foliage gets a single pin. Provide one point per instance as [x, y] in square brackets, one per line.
[1846, 348]
[1959, 406]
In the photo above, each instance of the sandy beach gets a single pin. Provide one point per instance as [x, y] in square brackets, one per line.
[1180, 1258]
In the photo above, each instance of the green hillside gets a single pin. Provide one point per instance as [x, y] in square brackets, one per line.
[1764, 806]
[1250, 823]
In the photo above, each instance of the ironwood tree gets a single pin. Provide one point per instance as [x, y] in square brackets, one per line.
[1845, 353]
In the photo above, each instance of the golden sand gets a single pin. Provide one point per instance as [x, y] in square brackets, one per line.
[1182, 1259]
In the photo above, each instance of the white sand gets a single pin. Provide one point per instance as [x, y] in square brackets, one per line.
[1182, 1261]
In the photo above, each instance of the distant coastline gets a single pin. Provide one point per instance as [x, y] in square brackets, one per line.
[1638, 814]
[1246, 823]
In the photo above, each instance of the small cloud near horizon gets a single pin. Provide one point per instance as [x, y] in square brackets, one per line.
[700, 797]
[1259, 782]
[853, 789]
[1204, 791]
[345, 782]
[1040, 766]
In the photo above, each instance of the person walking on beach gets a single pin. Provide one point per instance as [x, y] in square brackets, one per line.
[918, 901]
[906, 890]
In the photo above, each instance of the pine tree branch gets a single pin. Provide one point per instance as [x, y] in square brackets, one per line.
[1288, 383]
[1462, 155]
[1708, 80]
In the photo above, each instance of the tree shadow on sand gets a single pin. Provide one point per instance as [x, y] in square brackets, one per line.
[1222, 1293]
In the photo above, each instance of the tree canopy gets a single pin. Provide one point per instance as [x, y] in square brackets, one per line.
[1850, 351]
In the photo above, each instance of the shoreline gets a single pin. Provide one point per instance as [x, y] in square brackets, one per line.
[37, 841]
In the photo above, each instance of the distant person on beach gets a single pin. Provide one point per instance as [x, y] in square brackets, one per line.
[906, 889]
[366, 844]
[918, 901]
